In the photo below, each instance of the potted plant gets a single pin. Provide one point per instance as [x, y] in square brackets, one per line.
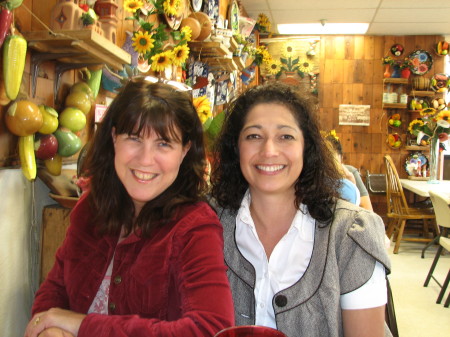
[387, 61]
[405, 68]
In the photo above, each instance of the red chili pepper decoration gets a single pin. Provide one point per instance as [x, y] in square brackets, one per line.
[84, 7]
[6, 17]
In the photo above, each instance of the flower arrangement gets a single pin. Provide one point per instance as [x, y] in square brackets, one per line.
[405, 63]
[431, 124]
[151, 41]
[387, 60]
[263, 24]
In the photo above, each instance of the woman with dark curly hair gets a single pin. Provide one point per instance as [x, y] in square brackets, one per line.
[300, 259]
[143, 254]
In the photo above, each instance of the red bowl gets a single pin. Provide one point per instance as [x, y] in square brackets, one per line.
[249, 331]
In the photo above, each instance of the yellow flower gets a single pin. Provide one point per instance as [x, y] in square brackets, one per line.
[172, 7]
[414, 125]
[142, 42]
[273, 67]
[443, 115]
[180, 54]
[203, 107]
[288, 50]
[305, 66]
[161, 61]
[186, 33]
[333, 134]
[427, 112]
[132, 5]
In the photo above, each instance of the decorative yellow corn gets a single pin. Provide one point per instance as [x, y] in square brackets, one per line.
[14, 55]
[27, 156]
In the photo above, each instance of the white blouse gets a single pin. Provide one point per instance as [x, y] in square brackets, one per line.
[288, 263]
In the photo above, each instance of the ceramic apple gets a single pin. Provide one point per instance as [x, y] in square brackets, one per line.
[46, 146]
[80, 100]
[83, 87]
[50, 119]
[23, 118]
[73, 119]
[68, 142]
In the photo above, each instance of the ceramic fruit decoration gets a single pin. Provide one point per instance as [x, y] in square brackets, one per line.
[6, 17]
[438, 104]
[45, 146]
[395, 120]
[394, 140]
[68, 142]
[397, 49]
[80, 100]
[23, 118]
[26, 156]
[50, 119]
[14, 55]
[442, 48]
[54, 165]
[72, 118]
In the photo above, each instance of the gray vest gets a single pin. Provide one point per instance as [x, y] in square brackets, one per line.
[342, 260]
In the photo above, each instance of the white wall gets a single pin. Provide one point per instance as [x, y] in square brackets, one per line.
[20, 228]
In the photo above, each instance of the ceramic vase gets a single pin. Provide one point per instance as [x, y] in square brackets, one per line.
[406, 73]
[387, 72]
[434, 160]
[396, 72]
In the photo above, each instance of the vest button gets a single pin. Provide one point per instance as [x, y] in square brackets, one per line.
[118, 279]
[112, 306]
[281, 300]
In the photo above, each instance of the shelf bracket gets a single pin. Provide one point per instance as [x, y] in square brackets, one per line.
[36, 59]
[60, 69]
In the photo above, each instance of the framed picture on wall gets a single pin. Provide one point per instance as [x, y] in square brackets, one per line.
[350, 114]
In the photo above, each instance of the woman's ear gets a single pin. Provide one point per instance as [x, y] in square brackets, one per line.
[113, 134]
[186, 148]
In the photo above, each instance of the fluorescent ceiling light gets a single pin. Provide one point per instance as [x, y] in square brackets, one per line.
[323, 29]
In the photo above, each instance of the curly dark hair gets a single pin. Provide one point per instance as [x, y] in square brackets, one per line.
[318, 183]
[139, 108]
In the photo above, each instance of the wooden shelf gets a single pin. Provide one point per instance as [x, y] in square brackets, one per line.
[396, 80]
[238, 60]
[422, 93]
[394, 106]
[80, 46]
[209, 49]
[417, 148]
[226, 64]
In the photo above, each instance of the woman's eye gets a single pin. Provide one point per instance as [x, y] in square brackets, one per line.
[164, 144]
[287, 137]
[134, 138]
[253, 136]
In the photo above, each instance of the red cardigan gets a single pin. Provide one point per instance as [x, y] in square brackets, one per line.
[173, 284]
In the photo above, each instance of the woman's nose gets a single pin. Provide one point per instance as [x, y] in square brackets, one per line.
[269, 148]
[147, 155]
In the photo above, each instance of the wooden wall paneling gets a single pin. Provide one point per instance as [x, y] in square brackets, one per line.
[359, 42]
[349, 71]
[357, 93]
[358, 71]
[369, 47]
[349, 47]
[338, 71]
[339, 47]
[368, 71]
[326, 76]
[367, 96]
[378, 49]
[347, 95]
[338, 94]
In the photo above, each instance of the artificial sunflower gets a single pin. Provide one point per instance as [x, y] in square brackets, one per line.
[288, 50]
[203, 108]
[172, 7]
[414, 126]
[142, 42]
[180, 54]
[427, 112]
[273, 67]
[133, 5]
[161, 61]
[443, 115]
[186, 33]
[305, 66]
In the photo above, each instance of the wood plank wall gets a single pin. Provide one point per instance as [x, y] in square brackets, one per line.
[351, 72]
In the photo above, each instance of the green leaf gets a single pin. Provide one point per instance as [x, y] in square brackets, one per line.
[295, 61]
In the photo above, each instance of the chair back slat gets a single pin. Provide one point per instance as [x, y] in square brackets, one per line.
[441, 208]
[395, 197]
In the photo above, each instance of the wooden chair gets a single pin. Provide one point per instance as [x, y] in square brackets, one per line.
[442, 210]
[399, 211]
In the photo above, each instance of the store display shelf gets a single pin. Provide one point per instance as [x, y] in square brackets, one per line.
[226, 64]
[396, 80]
[422, 93]
[238, 60]
[209, 49]
[394, 106]
[417, 148]
[80, 46]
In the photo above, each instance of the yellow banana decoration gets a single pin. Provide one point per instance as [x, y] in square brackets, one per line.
[27, 158]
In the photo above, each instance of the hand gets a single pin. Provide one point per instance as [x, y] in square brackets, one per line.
[55, 332]
[65, 320]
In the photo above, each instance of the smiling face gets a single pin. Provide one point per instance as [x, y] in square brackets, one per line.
[147, 165]
[271, 149]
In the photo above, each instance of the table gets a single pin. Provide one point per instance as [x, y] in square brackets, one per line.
[421, 187]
